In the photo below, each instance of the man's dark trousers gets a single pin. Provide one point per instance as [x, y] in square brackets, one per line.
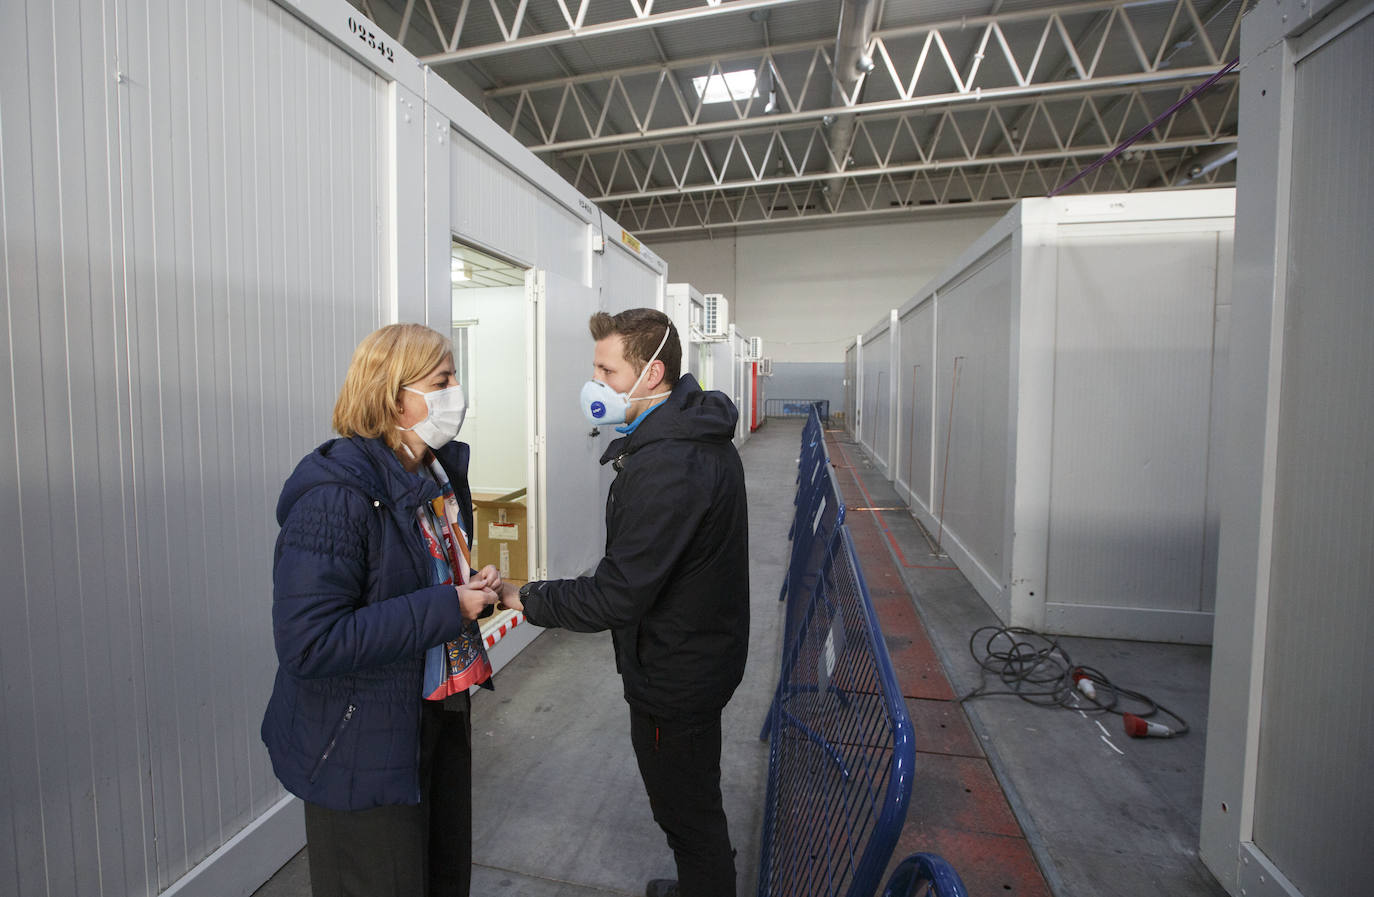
[679, 760]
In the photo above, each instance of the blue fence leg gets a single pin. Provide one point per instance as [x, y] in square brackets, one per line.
[920, 869]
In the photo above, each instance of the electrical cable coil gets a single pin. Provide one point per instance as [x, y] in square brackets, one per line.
[1037, 669]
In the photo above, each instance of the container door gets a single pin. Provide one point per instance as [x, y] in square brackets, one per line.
[566, 447]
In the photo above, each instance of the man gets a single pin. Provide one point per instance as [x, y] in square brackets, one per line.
[673, 586]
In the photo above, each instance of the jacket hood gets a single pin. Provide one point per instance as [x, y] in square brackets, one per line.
[371, 468]
[689, 413]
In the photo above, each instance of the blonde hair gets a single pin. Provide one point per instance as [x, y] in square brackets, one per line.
[387, 359]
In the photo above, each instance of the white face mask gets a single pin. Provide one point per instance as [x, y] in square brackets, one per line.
[447, 408]
[604, 406]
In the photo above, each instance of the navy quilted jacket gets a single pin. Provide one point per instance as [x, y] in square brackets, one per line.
[352, 616]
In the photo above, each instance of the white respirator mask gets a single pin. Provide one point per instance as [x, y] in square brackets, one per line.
[604, 406]
[447, 408]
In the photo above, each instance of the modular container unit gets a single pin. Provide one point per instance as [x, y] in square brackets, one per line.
[197, 233]
[684, 304]
[1285, 808]
[1058, 395]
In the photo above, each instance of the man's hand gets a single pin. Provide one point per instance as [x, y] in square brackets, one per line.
[510, 597]
[475, 599]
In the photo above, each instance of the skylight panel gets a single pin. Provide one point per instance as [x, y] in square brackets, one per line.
[718, 88]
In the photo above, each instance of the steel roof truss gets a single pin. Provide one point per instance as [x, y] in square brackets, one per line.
[1026, 72]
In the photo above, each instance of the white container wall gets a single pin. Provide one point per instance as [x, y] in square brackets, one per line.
[915, 376]
[739, 383]
[759, 406]
[1057, 411]
[875, 416]
[851, 389]
[184, 284]
[1286, 807]
[196, 235]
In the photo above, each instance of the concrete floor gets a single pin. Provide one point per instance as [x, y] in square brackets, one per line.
[559, 810]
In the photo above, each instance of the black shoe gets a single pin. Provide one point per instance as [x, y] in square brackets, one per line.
[661, 887]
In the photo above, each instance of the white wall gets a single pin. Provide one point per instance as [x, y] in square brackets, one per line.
[806, 293]
[190, 255]
[497, 403]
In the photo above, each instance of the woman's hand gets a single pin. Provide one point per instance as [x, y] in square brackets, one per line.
[491, 577]
[474, 599]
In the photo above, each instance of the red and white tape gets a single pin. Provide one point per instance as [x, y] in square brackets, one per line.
[496, 634]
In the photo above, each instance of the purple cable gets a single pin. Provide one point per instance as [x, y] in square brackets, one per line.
[1121, 147]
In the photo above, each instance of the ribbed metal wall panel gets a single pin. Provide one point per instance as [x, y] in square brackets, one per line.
[918, 384]
[1313, 815]
[973, 328]
[191, 251]
[627, 283]
[1133, 343]
[493, 205]
[877, 358]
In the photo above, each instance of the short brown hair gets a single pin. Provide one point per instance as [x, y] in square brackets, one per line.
[387, 359]
[641, 330]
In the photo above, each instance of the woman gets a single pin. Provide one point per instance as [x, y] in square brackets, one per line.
[374, 613]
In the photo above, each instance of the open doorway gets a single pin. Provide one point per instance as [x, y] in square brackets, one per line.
[491, 347]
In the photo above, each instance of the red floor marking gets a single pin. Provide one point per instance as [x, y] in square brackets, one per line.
[882, 524]
[960, 811]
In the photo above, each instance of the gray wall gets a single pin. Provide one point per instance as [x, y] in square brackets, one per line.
[808, 380]
[1290, 731]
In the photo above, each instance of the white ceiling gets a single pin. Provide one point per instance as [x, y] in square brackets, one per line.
[968, 103]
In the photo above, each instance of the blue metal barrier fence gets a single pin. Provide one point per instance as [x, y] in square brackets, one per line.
[922, 874]
[842, 755]
[796, 408]
[815, 523]
[842, 751]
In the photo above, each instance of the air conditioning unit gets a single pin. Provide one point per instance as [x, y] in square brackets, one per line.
[716, 322]
[756, 348]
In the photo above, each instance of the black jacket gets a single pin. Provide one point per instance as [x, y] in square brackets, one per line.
[674, 583]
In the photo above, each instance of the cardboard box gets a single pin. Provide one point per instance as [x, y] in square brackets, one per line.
[501, 536]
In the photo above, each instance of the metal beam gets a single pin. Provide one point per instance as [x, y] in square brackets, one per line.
[921, 102]
[1078, 152]
[577, 31]
[753, 211]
